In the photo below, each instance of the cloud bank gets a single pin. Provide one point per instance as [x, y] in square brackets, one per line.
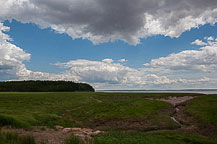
[173, 71]
[11, 57]
[109, 20]
[99, 73]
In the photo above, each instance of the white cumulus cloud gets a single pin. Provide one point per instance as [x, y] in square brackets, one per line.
[203, 59]
[107, 60]
[122, 60]
[210, 38]
[199, 42]
[11, 57]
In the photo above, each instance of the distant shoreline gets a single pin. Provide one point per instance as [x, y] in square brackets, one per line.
[201, 91]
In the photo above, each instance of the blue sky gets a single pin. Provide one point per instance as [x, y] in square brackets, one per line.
[110, 44]
[48, 47]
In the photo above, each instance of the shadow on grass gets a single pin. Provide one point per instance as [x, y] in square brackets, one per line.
[13, 138]
[12, 121]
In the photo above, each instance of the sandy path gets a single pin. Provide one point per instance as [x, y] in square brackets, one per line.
[97, 100]
[174, 100]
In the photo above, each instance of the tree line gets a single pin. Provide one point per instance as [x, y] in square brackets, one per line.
[44, 86]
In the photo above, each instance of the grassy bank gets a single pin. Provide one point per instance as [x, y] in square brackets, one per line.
[201, 113]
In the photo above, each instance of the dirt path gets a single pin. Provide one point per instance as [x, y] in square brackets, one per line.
[97, 100]
[174, 100]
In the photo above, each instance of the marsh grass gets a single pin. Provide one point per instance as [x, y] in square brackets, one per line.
[163, 137]
[73, 140]
[117, 112]
[13, 138]
[202, 113]
[12, 121]
[204, 108]
[21, 110]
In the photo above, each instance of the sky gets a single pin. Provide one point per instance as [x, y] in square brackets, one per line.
[111, 44]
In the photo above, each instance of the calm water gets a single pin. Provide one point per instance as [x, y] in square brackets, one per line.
[163, 91]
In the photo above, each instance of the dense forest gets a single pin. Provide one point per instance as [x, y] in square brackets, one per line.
[44, 86]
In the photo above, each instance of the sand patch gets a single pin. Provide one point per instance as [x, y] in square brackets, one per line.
[174, 100]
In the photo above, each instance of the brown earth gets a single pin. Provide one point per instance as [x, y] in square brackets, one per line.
[174, 100]
[54, 136]
[128, 125]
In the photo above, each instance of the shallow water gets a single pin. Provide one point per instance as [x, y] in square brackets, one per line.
[174, 119]
[161, 91]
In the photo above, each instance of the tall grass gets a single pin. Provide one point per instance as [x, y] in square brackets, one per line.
[73, 140]
[13, 138]
[12, 121]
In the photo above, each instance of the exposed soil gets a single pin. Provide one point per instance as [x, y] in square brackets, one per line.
[127, 125]
[174, 100]
[54, 136]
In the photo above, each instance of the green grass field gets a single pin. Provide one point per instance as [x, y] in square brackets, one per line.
[163, 137]
[127, 117]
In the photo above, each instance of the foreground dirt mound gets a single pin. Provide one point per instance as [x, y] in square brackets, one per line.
[54, 136]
